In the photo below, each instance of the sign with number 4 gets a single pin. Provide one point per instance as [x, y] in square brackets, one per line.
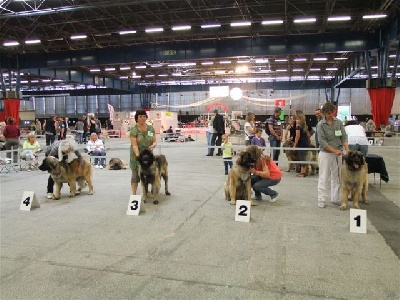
[358, 220]
[29, 201]
[134, 206]
[243, 211]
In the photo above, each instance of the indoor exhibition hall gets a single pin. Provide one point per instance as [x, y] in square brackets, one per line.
[202, 149]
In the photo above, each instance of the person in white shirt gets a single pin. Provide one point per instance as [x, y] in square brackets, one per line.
[357, 137]
[95, 147]
[249, 128]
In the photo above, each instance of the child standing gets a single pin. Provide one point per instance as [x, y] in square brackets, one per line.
[258, 140]
[227, 153]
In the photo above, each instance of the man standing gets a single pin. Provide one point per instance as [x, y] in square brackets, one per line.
[219, 126]
[275, 130]
[318, 115]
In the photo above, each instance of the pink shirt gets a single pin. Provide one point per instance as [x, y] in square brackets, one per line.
[274, 171]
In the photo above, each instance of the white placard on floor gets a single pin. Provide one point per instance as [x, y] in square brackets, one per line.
[29, 201]
[358, 220]
[134, 206]
[242, 213]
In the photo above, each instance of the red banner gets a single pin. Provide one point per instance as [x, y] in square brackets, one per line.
[280, 103]
[11, 109]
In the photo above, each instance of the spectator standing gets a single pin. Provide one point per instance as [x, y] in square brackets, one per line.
[219, 126]
[332, 139]
[227, 153]
[38, 127]
[249, 128]
[275, 129]
[12, 133]
[98, 126]
[92, 125]
[79, 129]
[209, 134]
[50, 130]
[258, 140]
[302, 140]
[318, 115]
[357, 137]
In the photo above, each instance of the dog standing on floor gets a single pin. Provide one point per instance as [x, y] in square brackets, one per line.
[238, 184]
[151, 169]
[354, 179]
[64, 172]
[292, 155]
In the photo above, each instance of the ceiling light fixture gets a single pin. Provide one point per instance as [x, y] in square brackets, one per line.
[315, 69]
[298, 70]
[210, 26]
[140, 67]
[124, 68]
[109, 69]
[123, 32]
[331, 69]
[300, 59]
[237, 24]
[280, 60]
[181, 27]
[94, 70]
[225, 62]
[305, 20]
[340, 58]
[10, 43]
[156, 29]
[339, 18]
[78, 37]
[320, 58]
[272, 22]
[207, 63]
[30, 42]
[375, 16]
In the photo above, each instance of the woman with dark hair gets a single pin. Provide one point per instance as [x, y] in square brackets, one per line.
[142, 137]
[11, 132]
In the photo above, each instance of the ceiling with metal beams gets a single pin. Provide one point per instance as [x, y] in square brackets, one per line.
[46, 26]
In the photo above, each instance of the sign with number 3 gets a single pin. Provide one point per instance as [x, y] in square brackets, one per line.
[135, 202]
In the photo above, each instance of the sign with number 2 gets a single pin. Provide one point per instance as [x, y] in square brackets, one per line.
[242, 211]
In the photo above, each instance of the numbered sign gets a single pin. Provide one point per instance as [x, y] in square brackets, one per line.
[243, 211]
[134, 206]
[358, 220]
[29, 201]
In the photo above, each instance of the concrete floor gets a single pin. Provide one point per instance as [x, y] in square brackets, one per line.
[189, 246]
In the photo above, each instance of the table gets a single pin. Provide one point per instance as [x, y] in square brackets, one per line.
[376, 164]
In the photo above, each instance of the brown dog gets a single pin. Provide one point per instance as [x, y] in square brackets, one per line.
[354, 179]
[238, 184]
[116, 164]
[151, 169]
[63, 172]
[292, 155]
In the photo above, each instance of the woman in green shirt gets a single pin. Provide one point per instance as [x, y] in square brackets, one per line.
[142, 137]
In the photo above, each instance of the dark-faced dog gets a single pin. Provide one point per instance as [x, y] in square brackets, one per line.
[116, 164]
[238, 184]
[354, 179]
[151, 169]
[63, 172]
[293, 155]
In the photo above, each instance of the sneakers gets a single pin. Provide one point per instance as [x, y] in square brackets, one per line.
[257, 197]
[321, 204]
[101, 167]
[274, 198]
[96, 166]
[50, 195]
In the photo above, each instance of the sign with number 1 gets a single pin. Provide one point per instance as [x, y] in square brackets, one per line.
[358, 220]
[135, 202]
[243, 211]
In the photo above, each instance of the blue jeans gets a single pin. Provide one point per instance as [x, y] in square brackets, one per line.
[261, 185]
[209, 137]
[273, 142]
[79, 137]
[228, 163]
[99, 153]
[362, 148]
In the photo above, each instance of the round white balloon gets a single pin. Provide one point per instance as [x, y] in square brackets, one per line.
[236, 93]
